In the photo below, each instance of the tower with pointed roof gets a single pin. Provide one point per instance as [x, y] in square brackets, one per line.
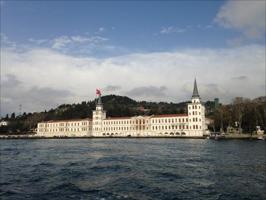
[98, 116]
[196, 113]
[195, 95]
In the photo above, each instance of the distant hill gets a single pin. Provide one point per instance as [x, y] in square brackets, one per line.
[115, 106]
[251, 112]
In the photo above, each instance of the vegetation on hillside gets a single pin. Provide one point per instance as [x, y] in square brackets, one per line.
[115, 106]
[242, 113]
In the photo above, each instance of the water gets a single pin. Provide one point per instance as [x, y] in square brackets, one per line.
[104, 169]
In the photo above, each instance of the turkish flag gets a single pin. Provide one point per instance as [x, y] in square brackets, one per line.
[98, 92]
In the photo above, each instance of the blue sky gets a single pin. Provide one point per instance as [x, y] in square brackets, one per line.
[131, 25]
[77, 46]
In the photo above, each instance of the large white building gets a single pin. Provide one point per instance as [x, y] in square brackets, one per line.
[191, 124]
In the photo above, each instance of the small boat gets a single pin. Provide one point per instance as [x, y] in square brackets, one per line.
[219, 137]
[260, 138]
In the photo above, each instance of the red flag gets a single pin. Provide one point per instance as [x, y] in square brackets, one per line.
[98, 92]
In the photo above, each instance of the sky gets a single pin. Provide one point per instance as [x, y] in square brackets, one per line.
[55, 52]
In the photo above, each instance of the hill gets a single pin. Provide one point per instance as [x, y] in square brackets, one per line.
[116, 106]
[246, 112]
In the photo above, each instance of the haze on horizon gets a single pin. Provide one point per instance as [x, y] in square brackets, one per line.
[54, 53]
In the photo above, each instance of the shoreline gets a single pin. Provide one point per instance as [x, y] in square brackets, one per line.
[93, 137]
[224, 137]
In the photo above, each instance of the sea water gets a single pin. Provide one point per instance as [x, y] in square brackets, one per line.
[110, 168]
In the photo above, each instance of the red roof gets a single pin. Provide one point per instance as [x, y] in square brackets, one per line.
[111, 118]
[170, 115]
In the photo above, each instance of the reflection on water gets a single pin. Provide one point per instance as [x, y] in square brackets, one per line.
[132, 169]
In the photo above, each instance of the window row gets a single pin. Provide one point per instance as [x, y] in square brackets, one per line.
[63, 129]
[173, 120]
[180, 127]
[196, 119]
[194, 113]
[140, 121]
[64, 124]
[193, 107]
[127, 128]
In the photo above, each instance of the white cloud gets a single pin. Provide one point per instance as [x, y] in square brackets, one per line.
[45, 71]
[6, 42]
[147, 92]
[111, 88]
[101, 29]
[171, 29]
[61, 42]
[38, 41]
[175, 29]
[64, 41]
[245, 16]
[93, 39]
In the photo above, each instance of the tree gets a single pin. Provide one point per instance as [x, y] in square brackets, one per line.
[13, 116]
[238, 105]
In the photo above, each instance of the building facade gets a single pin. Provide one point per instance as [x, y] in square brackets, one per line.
[191, 124]
[3, 123]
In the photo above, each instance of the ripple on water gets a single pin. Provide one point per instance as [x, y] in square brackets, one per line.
[155, 169]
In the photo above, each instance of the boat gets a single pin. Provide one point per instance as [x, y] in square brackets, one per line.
[260, 138]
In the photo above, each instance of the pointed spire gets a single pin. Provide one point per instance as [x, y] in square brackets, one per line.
[195, 90]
